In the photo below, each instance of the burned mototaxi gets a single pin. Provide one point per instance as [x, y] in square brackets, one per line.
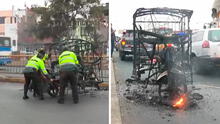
[165, 35]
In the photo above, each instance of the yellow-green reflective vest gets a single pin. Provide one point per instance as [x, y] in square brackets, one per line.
[37, 63]
[45, 57]
[68, 57]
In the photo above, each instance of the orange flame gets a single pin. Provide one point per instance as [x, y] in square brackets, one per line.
[180, 102]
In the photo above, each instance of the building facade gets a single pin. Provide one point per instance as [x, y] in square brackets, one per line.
[9, 20]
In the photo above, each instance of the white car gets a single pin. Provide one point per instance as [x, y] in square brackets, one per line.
[206, 49]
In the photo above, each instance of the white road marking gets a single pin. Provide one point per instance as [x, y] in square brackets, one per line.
[209, 86]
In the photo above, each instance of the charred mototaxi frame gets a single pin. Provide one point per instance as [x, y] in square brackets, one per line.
[90, 70]
[162, 49]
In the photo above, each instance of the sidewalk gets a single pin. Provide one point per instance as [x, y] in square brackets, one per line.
[115, 108]
[19, 78]
[14, 78]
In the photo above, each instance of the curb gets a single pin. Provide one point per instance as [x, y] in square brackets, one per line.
[11, 79]
[115, 107]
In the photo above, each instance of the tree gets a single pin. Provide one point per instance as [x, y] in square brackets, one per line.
[96, 27]
[26, 27]
[95, 21]
[60, 15]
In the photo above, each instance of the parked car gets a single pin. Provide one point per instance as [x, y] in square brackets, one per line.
[206, 49]
[5, 60]
[125, 46]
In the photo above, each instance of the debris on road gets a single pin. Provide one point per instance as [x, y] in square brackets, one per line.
[136, 92]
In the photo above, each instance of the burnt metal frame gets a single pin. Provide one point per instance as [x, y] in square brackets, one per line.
[138, 40]
[88, 61]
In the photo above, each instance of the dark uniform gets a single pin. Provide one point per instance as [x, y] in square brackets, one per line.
[32, 72]
[68, 73]
[113, 40]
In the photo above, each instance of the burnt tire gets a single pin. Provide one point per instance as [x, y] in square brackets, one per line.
[182, 88]
[53, 90]
[163, 88]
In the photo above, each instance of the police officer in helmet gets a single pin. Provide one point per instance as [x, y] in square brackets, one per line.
[33, 72]
[68, 73]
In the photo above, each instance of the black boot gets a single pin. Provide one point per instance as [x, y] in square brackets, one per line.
[25, 97]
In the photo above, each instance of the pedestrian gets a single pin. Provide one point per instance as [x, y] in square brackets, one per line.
[33, 71]
[68, 63]
[113, 39]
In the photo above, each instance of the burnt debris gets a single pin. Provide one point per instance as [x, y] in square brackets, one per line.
[138, 93]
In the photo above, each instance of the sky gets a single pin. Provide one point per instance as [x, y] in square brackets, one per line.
[19, 4]
[121, 11]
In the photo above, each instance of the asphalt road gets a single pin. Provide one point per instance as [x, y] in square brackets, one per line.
[92, 108]
[207, 110]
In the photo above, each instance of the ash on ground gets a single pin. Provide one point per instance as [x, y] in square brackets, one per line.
[140, 94]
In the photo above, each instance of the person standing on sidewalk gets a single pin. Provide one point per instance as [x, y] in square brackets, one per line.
[33, 72]
[113, 39]
[68, 73]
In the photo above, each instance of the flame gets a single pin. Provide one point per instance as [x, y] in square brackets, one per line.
[179, 103]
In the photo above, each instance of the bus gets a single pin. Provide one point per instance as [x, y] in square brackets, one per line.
[5, 50]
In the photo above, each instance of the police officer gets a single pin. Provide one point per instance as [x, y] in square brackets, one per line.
[46, 56]
[33, 71]
[68, 73]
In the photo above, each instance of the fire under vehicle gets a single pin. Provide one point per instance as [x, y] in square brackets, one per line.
[168, 65]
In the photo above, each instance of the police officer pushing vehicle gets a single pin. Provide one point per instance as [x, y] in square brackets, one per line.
[34, 70]
[68, 63]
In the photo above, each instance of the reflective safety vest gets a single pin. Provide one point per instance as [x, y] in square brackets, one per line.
[37, 63]
[68, 57]
[45, 57]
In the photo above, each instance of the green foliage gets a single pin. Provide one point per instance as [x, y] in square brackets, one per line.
[95, 19]
[60, 16]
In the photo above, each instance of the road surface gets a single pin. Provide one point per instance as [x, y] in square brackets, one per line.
[92, 109]
[207, 111]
